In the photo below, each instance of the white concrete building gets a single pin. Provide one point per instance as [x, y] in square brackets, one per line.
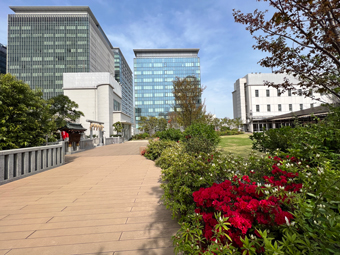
[253, 101]
[99, 97]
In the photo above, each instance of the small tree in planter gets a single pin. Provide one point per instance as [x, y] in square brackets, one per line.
[118, 127]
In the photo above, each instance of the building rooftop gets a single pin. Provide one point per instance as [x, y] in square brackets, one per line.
[53, 9]
[316, 111]
[142, 52]
[59, 10]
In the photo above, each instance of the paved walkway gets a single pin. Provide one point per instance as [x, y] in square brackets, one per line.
[102, 201]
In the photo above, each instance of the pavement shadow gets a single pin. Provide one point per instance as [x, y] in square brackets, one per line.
[162, 222]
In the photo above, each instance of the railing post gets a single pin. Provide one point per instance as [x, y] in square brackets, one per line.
[10, 165]
[2, 167]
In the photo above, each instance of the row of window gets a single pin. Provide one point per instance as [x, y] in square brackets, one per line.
[154, 87]
[168, 102]
[166, 64]
[155, 95]
[279, 107]
[56, 27]
[257, 94]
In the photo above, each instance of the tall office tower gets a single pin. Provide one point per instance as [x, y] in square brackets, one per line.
[154, 71]
[2, 59]
[46, 41]
[123, 75]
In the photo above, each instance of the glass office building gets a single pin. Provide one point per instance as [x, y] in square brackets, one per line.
[3, 51]
[46, 41]
[154, 72]
[123, 75]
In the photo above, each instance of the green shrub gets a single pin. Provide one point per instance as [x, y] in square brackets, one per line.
[196, 145]
[229, 132]
[140, 136]
[170, 134]
[272, 139]
[155, 148]
[200, 137]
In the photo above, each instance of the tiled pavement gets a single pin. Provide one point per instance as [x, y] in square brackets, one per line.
[102, 201]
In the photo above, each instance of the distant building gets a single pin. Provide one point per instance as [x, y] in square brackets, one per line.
[3, 51]
[98, 96]
[123, 75]
[46, 41]
[154, 71]
[253, 102]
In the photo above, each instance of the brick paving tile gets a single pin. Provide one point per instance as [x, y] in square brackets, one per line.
[104, 201]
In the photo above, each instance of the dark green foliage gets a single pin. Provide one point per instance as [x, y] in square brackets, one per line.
[155, 148]
[200, 137]
[272, 139]
[24, 115]
[229, 132]
[197, 144]
[309, 142]
[140, 136]
[170, 134]
[64, 109]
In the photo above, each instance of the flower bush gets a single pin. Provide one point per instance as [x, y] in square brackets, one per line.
[289, 212]
[156, 147]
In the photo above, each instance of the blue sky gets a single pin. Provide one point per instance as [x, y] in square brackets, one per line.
[226, 51]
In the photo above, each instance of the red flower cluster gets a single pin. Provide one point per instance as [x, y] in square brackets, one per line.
[245, 204]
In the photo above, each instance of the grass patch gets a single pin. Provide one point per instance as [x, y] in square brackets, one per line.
[239, 145]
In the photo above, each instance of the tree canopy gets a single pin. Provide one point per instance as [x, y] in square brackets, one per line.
[152, 124]
[64, 109]
[188, 106]
[303, 39]
[25, 115]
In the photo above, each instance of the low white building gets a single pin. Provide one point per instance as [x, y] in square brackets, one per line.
[253, 101]
[99, 97]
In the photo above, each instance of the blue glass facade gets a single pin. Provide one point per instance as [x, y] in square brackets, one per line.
[154, 73]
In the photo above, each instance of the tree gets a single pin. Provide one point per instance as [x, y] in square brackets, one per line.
[64, 109]
[24, 115]
[188, 105]
[118, 127]
[152, 124]
[303, 38]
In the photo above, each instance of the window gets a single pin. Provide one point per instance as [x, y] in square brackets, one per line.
[116, 105]
[147, 80]
[147, 72]
[257, 108]
[159, 94]
[147, 95]
[157, 65]
[168, 79]
[147, 87]
[159, 110]
[278, 93]
[158, 72]
[289, 92]
[301, 106]
[158, 87]
[150, 110]
[137, 87]
[279, 108]
[157, 79]
[268, 107]
[290, 107]
[267, 93]
[168, 72]
[159, 102]
[138, 80]
[300, 92]
[256, 93]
